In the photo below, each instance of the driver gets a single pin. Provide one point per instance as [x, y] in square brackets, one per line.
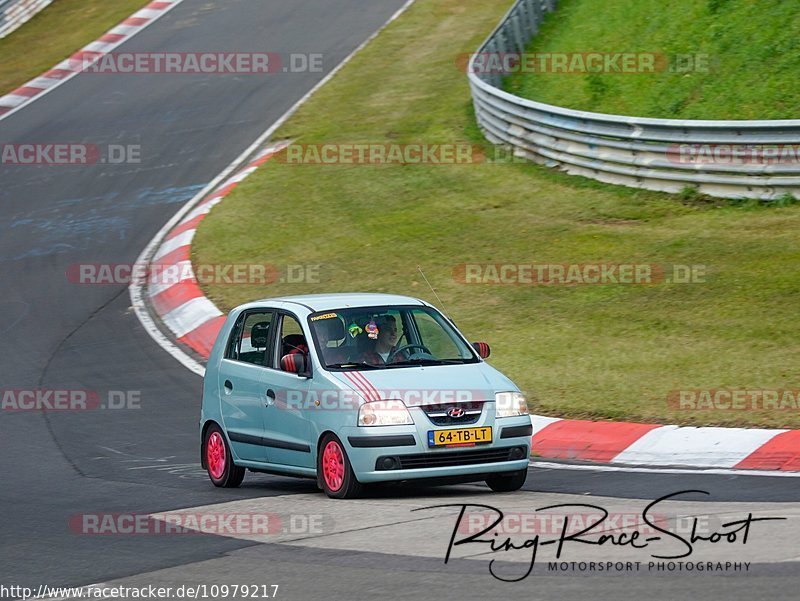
[381, 351]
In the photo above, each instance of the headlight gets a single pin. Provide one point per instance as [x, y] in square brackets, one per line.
[510, 404]
[384, 413]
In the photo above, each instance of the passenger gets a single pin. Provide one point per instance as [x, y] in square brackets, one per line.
[331, 330]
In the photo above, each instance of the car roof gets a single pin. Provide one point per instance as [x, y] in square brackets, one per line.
[342, 300]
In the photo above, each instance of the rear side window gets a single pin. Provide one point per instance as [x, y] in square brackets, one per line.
[250, 338]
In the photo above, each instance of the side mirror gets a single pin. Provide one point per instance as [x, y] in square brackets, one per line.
[295, 363]
[483, 349]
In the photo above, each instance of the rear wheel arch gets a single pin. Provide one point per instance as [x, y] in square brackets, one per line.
[203, 433]
[220, 466]
[320, 438]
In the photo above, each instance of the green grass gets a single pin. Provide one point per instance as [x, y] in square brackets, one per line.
[610, 351]
[753, 48]
[56, 33]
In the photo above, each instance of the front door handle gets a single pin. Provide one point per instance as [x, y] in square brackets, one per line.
[228, 386]
[270, 397]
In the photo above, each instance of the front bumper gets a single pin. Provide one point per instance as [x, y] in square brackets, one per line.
[392, 453]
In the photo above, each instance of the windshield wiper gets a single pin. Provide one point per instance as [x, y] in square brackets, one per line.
[426, 361]
[419, 361]
[361, 364]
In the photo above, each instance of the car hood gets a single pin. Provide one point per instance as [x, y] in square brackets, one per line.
[429, 385]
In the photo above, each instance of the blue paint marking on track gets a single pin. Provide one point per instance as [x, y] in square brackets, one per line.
[73, 223]
[168, 195]
[42, 251]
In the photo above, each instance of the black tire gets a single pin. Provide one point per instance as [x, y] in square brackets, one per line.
[508, 482]
[344, 484]
[222, 471]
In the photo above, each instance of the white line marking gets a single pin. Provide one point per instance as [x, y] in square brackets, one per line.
[124, 29]
[12, 100]
[335, 70]
[136, 290]
[540, 422]
[65, 65]
[146, 13]
[42, 82]
[190, 316]
[184, 268]
[660, 470]
[173, 244]
[696, 447]
[202, 209]
[99, 46]
[241, 176]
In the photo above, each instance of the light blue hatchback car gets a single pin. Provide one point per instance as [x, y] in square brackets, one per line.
[353, 389]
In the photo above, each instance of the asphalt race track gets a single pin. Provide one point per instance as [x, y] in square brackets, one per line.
[56, 334]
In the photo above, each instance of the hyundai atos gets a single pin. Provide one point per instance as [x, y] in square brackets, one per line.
[354, 389]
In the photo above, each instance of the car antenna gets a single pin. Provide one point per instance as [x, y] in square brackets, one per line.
[441, 304]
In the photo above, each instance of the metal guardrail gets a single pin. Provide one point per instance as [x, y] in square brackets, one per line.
[735, 159]
[14, 13]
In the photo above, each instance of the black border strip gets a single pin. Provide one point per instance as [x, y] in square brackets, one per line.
[515, 431]
[399, 440]
[268, 442]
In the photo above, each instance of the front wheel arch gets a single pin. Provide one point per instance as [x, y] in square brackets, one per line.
[203, 432]
[333, 464]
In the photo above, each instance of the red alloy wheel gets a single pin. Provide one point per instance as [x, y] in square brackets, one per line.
[215, 455]
[333, 465]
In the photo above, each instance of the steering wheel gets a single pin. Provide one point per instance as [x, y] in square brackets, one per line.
[424, 348]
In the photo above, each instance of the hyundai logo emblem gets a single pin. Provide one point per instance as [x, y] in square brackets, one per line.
[455, 412]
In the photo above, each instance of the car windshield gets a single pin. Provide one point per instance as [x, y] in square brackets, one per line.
[387, 338]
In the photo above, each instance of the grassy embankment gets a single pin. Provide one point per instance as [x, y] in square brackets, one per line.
[747, 56]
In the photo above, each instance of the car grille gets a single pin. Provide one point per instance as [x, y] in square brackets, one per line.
[438, 413]
[450, 458]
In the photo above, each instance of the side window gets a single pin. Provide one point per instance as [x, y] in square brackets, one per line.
[232, 350]
[292, 340]
[434, 337]
[249, 343]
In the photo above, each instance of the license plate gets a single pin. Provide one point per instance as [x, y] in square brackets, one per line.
[440, 438]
